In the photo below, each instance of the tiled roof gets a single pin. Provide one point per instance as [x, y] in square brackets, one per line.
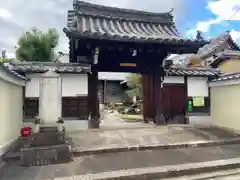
[102, 22]
[227, 76]
[192, 71]
[222, 42]
[37, 67]
[5, 67]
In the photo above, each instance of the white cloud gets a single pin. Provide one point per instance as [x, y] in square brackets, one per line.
[203, 26]
[235, 35]
[225, 9]
[5, 14]
[46, 14]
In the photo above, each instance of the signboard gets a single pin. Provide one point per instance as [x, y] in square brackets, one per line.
[128, 64]
[198, 101]
[189, 105]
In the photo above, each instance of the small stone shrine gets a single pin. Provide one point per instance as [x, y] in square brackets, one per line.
[48, 146]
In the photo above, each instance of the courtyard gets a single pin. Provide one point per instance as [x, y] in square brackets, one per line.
[100, 153]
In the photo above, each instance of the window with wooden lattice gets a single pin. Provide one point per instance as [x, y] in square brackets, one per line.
[31, 107]
[75, 108]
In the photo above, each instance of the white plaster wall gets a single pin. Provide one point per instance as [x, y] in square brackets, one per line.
[225, 101]
[71, 85]
[197, 86]
[174, 79]
[200, 120]
[33, 86]
[74, 84]
[76, 125]
[11, 109]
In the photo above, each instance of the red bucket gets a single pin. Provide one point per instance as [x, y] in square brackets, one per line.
[26, 131]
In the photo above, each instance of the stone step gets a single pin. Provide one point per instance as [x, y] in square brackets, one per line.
[45, 155]
[48, 129]
[217, 175]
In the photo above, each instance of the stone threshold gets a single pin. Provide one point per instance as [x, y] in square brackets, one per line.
[150, 173]
[78, 151]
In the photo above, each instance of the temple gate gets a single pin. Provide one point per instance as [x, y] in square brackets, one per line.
[123, 40]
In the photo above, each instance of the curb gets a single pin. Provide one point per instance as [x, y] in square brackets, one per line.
[148, 173]
[79, 152]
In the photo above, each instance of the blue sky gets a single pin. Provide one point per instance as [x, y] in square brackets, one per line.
[212, 17]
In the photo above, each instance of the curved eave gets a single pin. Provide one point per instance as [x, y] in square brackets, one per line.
[12, 72]
[170, 41]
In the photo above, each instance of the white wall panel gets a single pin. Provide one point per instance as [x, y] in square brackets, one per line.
[74, 84]
[174, 79]
[33, 86]
[197, 86]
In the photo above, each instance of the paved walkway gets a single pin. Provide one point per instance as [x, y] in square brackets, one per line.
[116, 133]
[110, 121]
[112, 162]
[145, 136]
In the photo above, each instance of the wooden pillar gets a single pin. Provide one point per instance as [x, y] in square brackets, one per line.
[93, 102]
[145, 97]
[158, 98]
[148, 106]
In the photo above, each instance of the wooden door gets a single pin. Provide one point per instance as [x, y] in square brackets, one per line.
[174, 100]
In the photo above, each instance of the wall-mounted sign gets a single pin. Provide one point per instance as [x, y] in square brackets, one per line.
[198, 101]
[128, 64]
[189, 105]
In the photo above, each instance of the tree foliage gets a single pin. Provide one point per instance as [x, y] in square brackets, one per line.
[36, 45]
[135, 85]
[199, 36]
[4, 60]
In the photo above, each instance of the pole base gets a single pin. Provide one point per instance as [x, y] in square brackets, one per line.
[93, 123]
[160, 119]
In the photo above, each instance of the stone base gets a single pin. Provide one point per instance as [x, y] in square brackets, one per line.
[38, 156]
[47, 139]
[46, 129]
[93, 123]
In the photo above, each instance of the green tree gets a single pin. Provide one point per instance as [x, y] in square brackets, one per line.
[134, 82]
[36, 45]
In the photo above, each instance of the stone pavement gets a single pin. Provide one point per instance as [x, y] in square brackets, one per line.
[232, 174]
[123, 161]
[145, 136]
[111, 121]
